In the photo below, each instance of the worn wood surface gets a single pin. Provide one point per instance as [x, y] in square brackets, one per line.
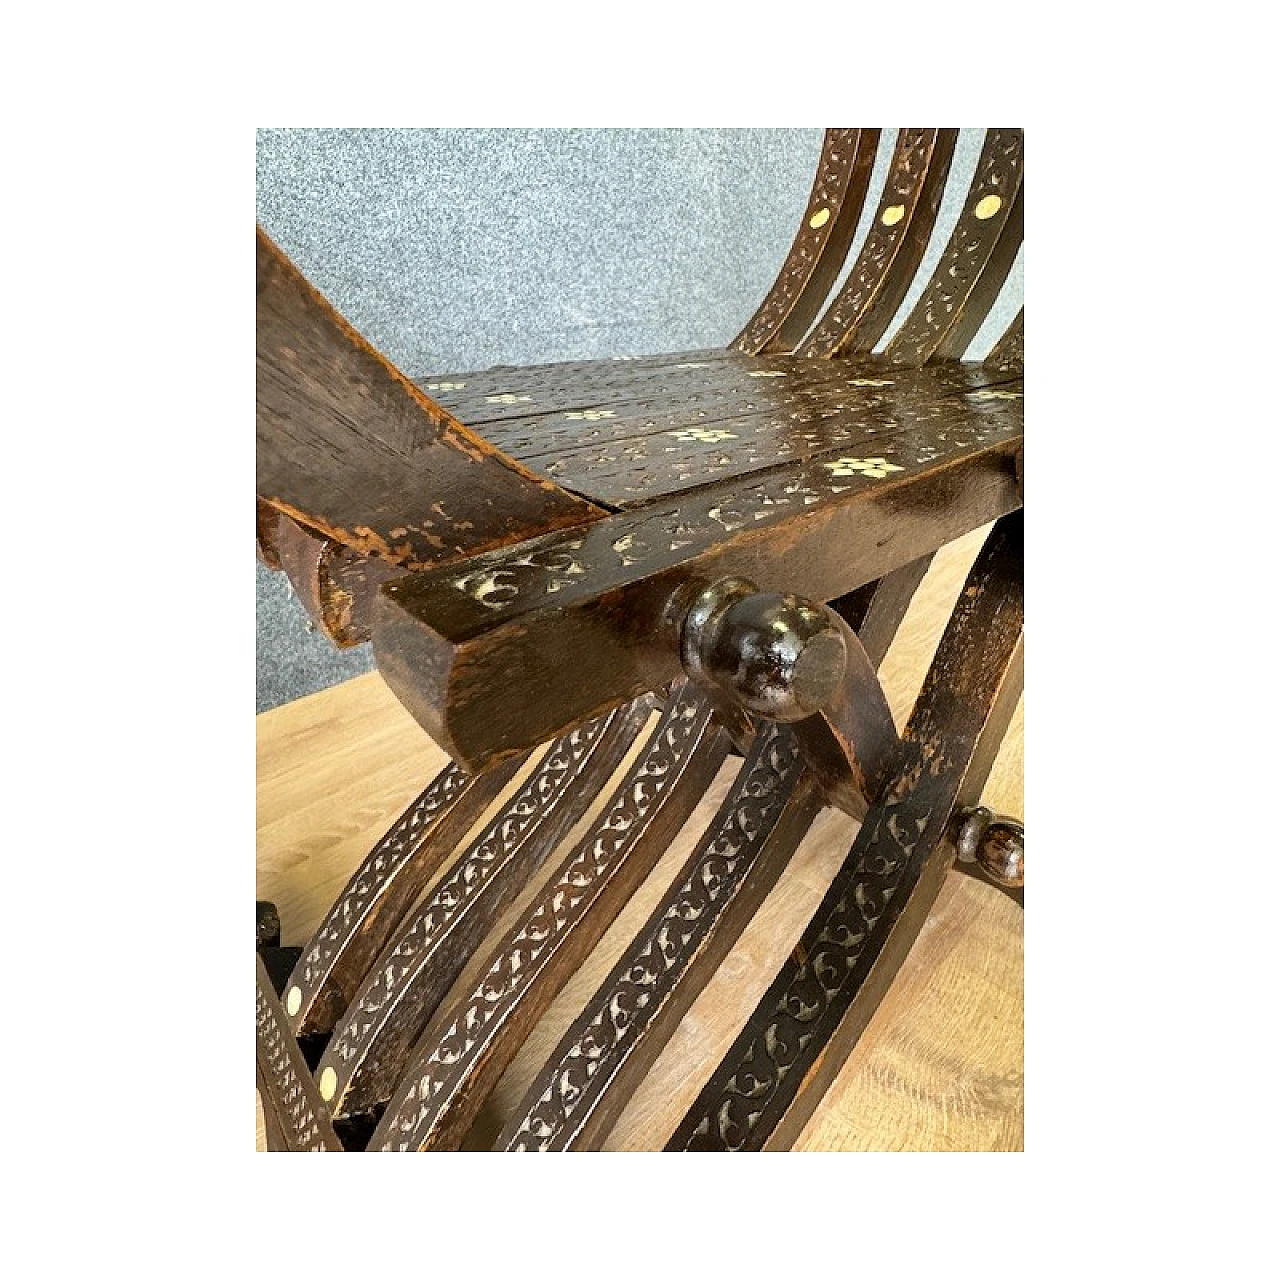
[353, 449]
[975, 263]
[447, 642]
[826, 230]
[896, 242]
[939, 1067]
[373, 1041]
[776, 1072]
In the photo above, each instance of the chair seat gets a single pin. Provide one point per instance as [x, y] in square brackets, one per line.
[626, 433]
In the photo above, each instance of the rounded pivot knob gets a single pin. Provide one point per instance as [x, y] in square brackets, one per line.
[996, 844]
[780, 657]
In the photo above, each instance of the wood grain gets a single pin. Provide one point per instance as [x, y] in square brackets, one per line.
[940, 1064]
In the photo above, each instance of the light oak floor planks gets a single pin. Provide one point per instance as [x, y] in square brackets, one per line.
[939, 1068]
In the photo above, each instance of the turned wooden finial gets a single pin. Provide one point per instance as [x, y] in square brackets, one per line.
[996, 844]
[780, 657]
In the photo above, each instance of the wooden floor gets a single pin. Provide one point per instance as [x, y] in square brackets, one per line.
[938, 1069]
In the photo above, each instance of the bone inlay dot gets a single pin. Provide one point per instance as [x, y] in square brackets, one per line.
[819, 219]
[328, 1083]
[987, 207]
[893, 215]
[293, 1001]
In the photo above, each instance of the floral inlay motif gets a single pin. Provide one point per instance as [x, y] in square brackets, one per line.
[701, 435]
[445, 386]
[506, 398]
[873, 468]
[590, 415]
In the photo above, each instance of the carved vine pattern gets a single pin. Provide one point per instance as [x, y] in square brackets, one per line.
[388, 856]
[835, 171]
[999, 173]
[661, 953]
[396, 969]
[648, 538]
[906, 179]
[557, 910]
[818, 981]
[306, 1133]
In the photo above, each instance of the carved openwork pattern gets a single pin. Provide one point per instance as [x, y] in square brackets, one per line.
[555, 912]
[388, 856]
[817, 980]
[395, 970]
[835, 173]
[915, 149]
[999, 176]
[664, 949]
[296, 1109]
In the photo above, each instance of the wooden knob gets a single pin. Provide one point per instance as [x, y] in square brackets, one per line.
[780, 657]
[996, 844]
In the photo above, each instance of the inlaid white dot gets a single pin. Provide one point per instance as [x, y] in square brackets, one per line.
[328, 1083]
[893, 215]
[293, 1001]
[820, 218]
[987, 207]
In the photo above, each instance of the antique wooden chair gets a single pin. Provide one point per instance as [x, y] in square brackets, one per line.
[652, 565]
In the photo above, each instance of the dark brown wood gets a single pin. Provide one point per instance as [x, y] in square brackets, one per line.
[818, 252]
[975, 262]
[1007, 354]
[268, 925]
[604, 1055]
[523, 547]
[473, 1038]
[384, 887]
[297, 1119]
[876, 610]
[350, 447]
[881, 277]
[266, 531]
[372, 1042]
[803, 1029]
[851, 742]
[448, 642]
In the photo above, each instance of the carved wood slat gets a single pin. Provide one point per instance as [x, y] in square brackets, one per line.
[826, 231]
[471, 1041]
[804, 1027]
[781, 387]
[383, 888]
[446, 642]
[974, 264]
[372, 1042]
[353, 449]
[881, 277]
[1007, 354]
[592, 1073]
[296, 1117]
[604, 1055]
[654, 465]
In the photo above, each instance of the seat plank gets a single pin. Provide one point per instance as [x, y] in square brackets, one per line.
[350, 447]
[447, 642]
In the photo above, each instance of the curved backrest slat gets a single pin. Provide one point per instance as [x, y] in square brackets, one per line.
[1007, 353]
[896, 242]
[821, 244]
[975, 263]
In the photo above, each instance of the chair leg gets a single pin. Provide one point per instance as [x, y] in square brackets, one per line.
[776, 1072]
[470, 1042]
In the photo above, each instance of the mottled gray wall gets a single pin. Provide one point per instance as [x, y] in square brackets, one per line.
[457, 249]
